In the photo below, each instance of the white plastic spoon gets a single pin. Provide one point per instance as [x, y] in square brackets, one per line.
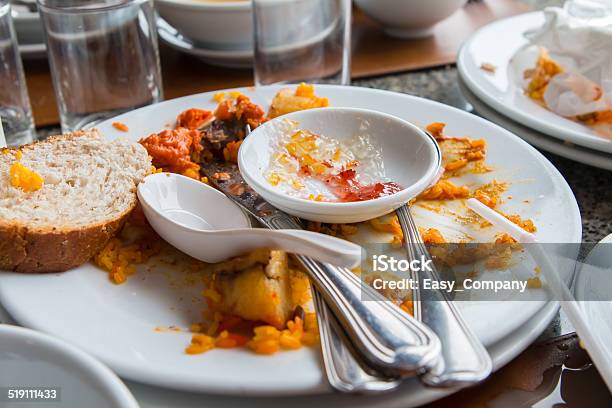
[558, 288]
[205, 224]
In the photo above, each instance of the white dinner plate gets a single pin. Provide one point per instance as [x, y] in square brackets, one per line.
[32, 359]
[496, 44]
[222, 58]
[550, 144]
[410, 394]
[116, 323]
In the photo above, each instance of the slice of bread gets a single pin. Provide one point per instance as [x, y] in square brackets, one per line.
[89, 191]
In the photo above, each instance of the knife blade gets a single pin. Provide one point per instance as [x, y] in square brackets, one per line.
[226, 177]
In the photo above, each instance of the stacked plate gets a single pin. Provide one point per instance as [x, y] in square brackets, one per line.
[499, 97]
[220, 33]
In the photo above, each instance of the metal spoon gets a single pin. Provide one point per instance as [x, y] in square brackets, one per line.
[465, 360]
[345, 371]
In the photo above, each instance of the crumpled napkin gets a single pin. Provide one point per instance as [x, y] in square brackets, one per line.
[583, 47]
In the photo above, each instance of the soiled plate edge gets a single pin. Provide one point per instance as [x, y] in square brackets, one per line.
[553, 145]
[586, 139]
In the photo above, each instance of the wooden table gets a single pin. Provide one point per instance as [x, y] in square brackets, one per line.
[374, 53]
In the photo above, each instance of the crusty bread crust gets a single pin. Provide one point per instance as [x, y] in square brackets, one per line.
[29, 249]
[37, 251]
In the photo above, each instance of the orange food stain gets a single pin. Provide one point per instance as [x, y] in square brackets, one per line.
[122, 127]
[194, 118]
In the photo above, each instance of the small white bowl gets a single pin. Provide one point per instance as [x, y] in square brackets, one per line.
[411, 158]
[226, 25]
[32, 359]
[409, 18]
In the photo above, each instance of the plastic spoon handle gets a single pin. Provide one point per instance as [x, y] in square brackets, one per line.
[465, 360]
[322, 247]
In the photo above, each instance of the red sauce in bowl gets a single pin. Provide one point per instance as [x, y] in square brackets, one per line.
[347, 189]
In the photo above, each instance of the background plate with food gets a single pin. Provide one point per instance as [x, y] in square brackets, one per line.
[485, 65]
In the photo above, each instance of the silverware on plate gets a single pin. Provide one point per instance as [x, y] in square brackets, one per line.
[345, 372]
[384, 338]
[464, 358]
[391, 341]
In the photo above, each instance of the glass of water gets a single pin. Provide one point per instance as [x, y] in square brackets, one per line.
[302, 41]
[15, 110]
[104, 57]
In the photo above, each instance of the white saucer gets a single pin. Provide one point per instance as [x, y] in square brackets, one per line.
[33, 51]
[33, 359]
[496, 44]
[222, 58]
[540, 140]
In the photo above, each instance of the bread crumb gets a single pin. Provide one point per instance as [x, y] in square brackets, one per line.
[488, 67]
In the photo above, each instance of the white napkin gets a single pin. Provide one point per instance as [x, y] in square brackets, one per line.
[583, 47]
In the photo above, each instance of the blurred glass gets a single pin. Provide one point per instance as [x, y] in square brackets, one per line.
[15, 109]
[597, 12]
[302, 41]
[104, 57]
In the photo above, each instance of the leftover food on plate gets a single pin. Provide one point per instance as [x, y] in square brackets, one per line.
[567, 68]
[63, 199]
[262, 301]
[320, 168]
[120, 126]
[75, 196]
[302, 98]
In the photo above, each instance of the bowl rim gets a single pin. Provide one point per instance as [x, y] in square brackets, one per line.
[303, 204]
[209, 5]
[106, 380]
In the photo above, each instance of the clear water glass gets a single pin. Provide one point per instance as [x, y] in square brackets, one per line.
[15, 110]
[302, 41]
[596, 12]
[104, 57]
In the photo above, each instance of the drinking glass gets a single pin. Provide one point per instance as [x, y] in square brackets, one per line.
[104, 57]
[15, 110]
[302, 41]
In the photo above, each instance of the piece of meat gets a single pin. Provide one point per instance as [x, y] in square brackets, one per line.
[259, 293]
[216, 136]
[242, 110]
